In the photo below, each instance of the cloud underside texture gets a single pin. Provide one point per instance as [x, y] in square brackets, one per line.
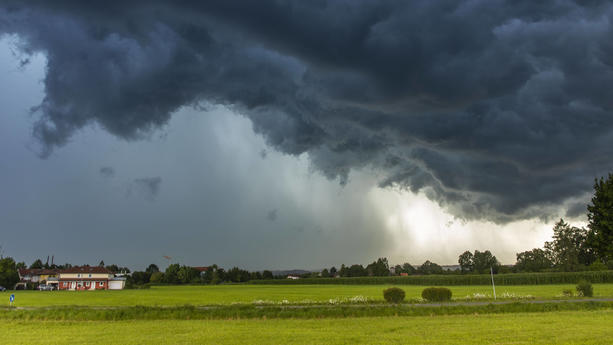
[497, 110]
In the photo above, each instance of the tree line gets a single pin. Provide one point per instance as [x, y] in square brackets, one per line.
[182, 274]
[578, 249]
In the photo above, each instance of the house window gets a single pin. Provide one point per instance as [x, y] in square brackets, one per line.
[79, 275]
[101, 283]
[90, 275]
[86, 283]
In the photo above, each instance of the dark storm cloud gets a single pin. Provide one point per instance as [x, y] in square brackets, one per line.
[577, 209]
[495, 109]
[146, 187]
[107, 172]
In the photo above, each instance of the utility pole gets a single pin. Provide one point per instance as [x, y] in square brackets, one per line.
[493, 286]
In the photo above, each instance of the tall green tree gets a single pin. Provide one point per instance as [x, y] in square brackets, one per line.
[429, 267]
[378, 268]
[466, 262]
[171, 274]
[187, 274]
[157, 277]
[534, 260]
[600, 219]
[569, 250]
[37, 264]
[8, 273]
[478, 262]
[152, 269]
[357, 271]
[408, 268]
[267, 274]
[139, 277]
[483, 261]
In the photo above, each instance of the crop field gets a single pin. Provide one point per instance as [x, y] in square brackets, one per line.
[577, 327]
[304, 314]
[277, 294]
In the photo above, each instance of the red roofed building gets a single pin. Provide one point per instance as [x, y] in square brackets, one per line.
[89, 278]
[200, 269]
[35, 276]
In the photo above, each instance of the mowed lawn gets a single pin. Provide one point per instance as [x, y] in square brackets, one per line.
[580, 327]
[228, 294]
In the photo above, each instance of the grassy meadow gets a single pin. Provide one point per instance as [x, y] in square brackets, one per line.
[575, 327]
[275, 294]
[302, 314]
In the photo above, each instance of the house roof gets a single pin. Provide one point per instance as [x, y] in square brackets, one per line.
[83, 279]
[200, 268]
[36, 271]
[86, 269]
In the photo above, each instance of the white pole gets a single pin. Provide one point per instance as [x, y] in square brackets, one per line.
[493, 286]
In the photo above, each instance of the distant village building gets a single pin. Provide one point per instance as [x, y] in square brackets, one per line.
[36, 276]
[89, 278]
[201, 269]
[292, 277]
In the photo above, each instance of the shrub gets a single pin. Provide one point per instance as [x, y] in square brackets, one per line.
[157, 277]
[436, 294]
[393, 295]
[584, 288]
[597, 266]
[567, 293]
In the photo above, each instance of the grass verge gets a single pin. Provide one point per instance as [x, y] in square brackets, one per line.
[566, 327]
[189, 312]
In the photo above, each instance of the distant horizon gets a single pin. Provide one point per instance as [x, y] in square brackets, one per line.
[252, 270]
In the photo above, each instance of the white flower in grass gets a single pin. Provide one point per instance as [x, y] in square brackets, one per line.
[358, 299]
[478, 295]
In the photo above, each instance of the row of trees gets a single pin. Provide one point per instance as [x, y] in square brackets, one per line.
[182, 274]
[478, 262]
[576, 249]
[571, 249]
[379, 268]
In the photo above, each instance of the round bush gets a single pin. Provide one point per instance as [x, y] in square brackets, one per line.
[436, 294]
[393, 295]
[584, 288]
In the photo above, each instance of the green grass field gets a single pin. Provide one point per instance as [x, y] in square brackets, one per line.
[159, 316]
[579, 327]
[248, 294]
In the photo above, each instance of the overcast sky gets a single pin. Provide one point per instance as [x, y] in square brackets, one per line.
[298, 134]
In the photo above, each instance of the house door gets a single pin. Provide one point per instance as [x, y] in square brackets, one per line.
[73, 285]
